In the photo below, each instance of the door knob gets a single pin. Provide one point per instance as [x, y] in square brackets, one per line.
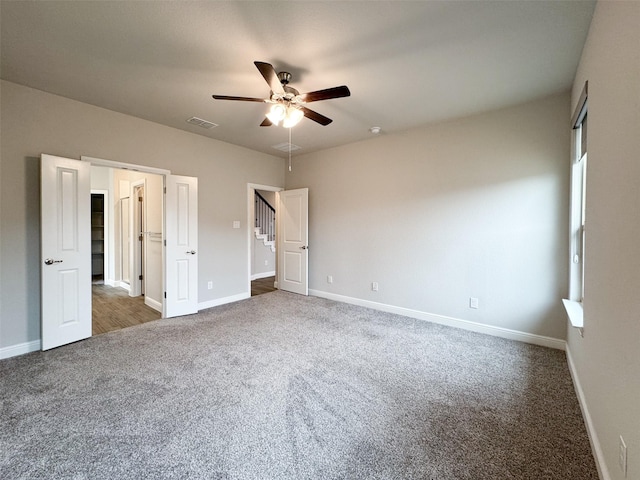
[192, 252]
[51, 261]
[304, 247]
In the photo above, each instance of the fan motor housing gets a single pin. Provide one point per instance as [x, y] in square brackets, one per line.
[290, 92]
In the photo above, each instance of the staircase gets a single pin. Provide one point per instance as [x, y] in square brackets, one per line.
[265, 225]
[264, 237]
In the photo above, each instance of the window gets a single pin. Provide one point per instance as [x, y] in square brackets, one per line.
[577, 214]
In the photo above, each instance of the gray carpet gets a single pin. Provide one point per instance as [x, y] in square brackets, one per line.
[282, 386]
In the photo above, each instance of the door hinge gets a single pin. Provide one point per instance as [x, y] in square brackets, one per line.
[164, 190]
[139, 199]
[140, 277]
[165, 294]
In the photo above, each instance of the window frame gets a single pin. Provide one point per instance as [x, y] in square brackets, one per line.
[574, 304]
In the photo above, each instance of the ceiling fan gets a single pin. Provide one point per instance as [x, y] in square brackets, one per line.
[287, 104]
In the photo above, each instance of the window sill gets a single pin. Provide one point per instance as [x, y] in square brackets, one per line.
[574, 312]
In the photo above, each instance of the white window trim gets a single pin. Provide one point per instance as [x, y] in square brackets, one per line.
[574, 304]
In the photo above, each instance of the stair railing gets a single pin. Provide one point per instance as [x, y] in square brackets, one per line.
[265, 217]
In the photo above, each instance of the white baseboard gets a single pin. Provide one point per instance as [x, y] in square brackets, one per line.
[110, 283]
[596, 448]
[256, 276]
[525, 337]
[556, 343]
[20, 349]
[150, 302]
[223, 300]
[121, 284]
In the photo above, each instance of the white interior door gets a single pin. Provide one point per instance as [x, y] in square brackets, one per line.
[65, 193]
[181, 284]
[293, 235]
[137, 240]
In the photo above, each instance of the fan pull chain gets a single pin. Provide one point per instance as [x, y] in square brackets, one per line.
[289, 149]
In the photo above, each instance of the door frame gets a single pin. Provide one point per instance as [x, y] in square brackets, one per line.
[165, 174]
[145, 169]
[251, 191]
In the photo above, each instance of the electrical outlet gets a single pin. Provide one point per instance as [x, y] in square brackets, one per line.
[266, 262]
[473, 302]
[236, 224]
[622, 456]
[210, 285]
[374, 286]
[329, 279]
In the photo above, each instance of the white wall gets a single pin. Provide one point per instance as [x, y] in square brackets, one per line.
[607, 359]
[471, 208]
[101, 178]
[35, 122]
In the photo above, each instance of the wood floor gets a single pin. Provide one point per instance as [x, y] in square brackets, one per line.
[262, 285]
[113, 309]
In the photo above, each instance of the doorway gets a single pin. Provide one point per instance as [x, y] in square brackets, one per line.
[125, 297]
[262, 202]
[99, 232]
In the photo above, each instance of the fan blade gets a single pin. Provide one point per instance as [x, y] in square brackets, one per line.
[242, 99]
[316, 117]
[266, 123]
[335, 92]
[270, 75]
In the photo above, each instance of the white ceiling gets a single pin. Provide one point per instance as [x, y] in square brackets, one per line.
[406, 63]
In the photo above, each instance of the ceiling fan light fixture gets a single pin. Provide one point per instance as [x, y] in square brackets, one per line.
[287, 104]
[277, 113]
[293, 117]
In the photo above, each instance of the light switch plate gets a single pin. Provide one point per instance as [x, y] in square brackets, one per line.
[236, 224]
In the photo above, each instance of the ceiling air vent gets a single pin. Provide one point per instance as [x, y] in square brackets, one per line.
[284, 147]
[201, 123]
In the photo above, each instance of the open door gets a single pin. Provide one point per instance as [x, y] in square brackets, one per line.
[181, 284]
[293, 248]
[137, 247]
[65, 187]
